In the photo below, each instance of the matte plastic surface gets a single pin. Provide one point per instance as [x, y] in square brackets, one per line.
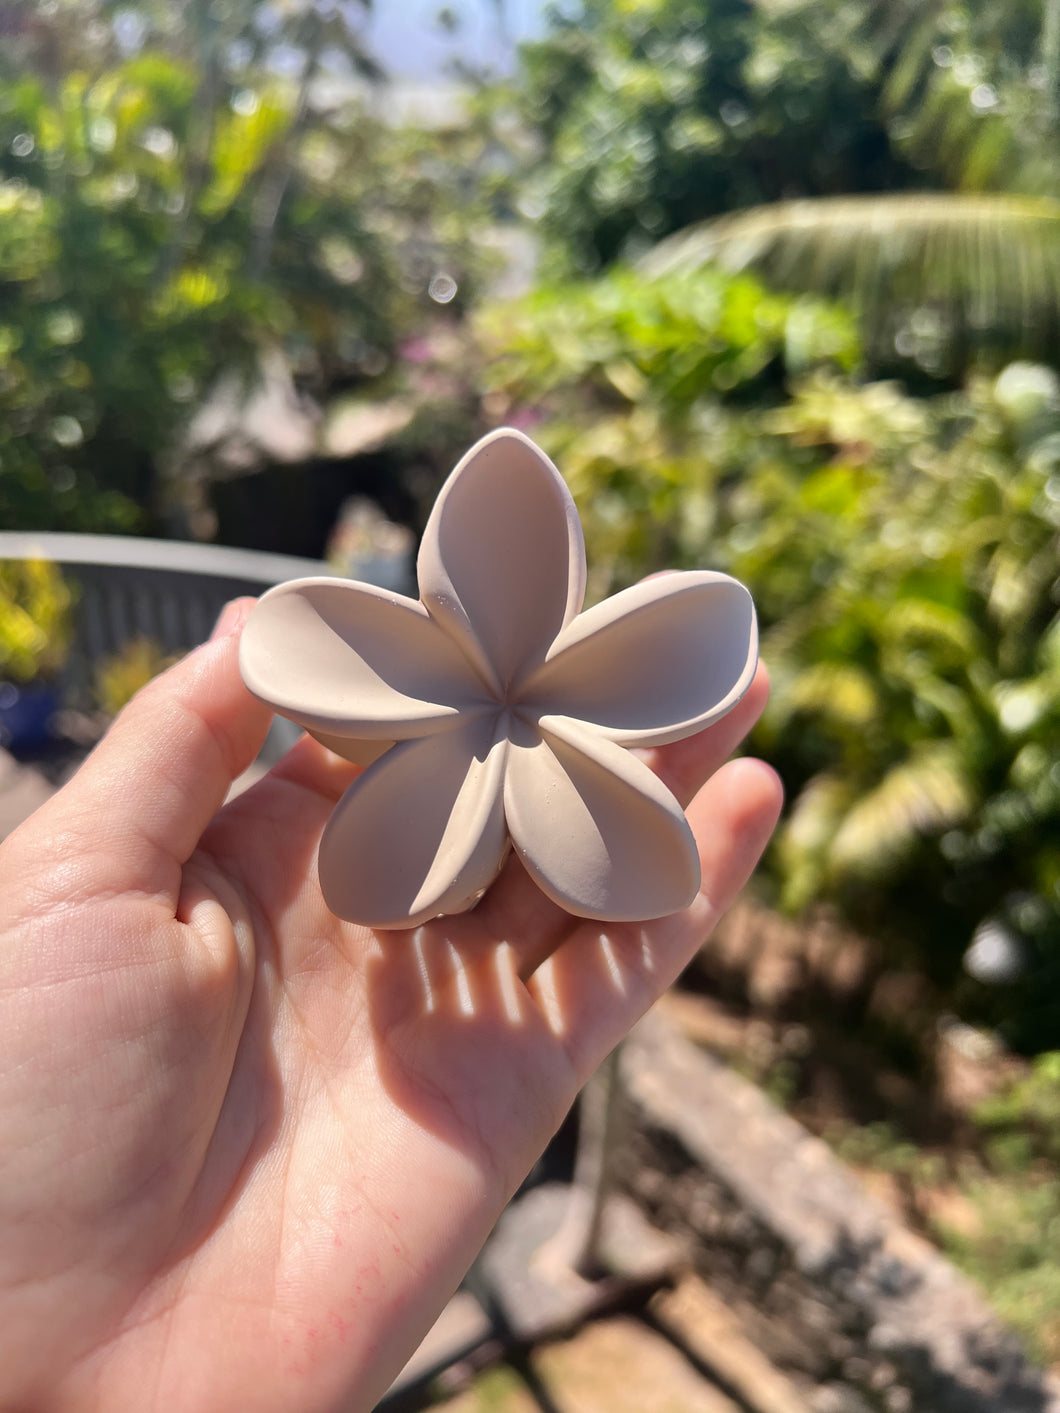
[492, 712]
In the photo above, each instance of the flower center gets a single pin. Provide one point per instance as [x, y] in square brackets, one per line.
[515, 724]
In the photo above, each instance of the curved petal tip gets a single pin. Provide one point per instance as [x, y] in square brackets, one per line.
[655, 663]
[502, 562]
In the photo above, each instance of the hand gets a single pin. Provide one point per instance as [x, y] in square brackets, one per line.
[249, 1150]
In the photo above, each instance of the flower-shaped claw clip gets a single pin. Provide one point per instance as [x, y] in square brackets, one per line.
[491, 710]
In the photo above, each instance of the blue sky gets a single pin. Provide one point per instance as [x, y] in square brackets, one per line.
[411, 44]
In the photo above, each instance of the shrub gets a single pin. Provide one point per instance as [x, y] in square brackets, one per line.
[35, 622]
[903, 553]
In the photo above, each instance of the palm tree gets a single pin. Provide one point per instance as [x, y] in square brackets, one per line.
[972, 95]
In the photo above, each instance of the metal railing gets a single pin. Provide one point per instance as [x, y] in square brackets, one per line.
[170, 592]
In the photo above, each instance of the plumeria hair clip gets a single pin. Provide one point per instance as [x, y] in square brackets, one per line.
[492, 713]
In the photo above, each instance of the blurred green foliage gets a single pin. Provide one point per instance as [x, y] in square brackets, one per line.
[182, 188]
[904, 556]
[969, 89]
[645, 388]
[942, 283]
[1011, 1253]
[1022, 1119]
[751, 130]
[647, 115]
[652, 114]
[1011, 1247]
[35, 620]
[903, 553]
[118, 678]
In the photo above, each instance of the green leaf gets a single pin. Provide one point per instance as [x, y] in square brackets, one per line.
[929, 792]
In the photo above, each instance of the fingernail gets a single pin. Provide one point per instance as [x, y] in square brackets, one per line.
[231, 619]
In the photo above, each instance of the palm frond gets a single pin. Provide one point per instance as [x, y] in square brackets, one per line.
[928, 792]
[933, 276]
[842, 694]
[977, 101]
[804, 841]
[917, 623]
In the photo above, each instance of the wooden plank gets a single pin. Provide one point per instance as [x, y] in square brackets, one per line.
[620, 1365]
[693, 1315]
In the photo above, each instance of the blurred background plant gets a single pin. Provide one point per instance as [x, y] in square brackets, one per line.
[118, 678]
[1015, 1195]
[909, 609]
[184, 190]
[35, 620]
[639, 119]
[668, 115]
[903, 555]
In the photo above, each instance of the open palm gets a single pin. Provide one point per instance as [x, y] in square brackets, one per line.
[249, 1150]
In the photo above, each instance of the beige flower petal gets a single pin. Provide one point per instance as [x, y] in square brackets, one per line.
[421, 832]
[597, 831]
[354, 660]
[351, 748]
[654, 663]
[502, 562]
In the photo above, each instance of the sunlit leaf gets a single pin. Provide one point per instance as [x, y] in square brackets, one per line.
[241, 143]
[929, 792]
[838, 692]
